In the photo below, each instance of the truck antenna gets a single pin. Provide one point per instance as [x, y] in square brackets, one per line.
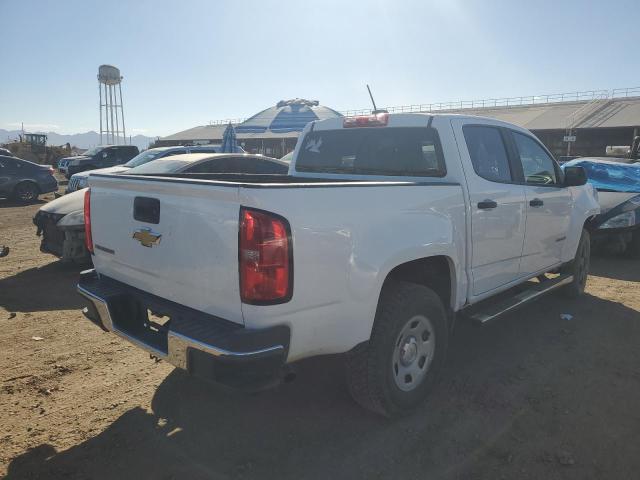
[375, 109]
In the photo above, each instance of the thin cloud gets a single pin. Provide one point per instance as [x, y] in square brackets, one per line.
[34, 126]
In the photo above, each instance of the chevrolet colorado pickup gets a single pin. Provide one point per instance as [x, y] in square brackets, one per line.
[386, 229]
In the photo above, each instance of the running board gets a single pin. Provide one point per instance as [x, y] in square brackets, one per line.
[483, 314]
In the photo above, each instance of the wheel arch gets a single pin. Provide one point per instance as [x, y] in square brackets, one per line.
[435, 272]
[26, 181]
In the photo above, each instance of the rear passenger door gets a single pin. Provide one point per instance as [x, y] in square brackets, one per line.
[548, 205]
[497, 204]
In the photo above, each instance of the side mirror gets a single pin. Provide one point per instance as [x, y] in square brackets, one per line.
[574, 176]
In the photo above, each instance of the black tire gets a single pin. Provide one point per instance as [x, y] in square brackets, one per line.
[26, 192]
[371, 367]
[578, 267]
[633, 248]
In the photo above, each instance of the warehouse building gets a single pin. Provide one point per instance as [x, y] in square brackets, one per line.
[570, 124]
[590, 125]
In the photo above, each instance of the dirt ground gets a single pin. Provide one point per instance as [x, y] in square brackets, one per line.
[530, 396]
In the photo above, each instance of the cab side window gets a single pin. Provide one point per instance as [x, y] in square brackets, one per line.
[537, 166]
[488, 153]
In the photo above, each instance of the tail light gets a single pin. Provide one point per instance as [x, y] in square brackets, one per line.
[265, 258]
[88, 239]
[373, 120]
[51, 171]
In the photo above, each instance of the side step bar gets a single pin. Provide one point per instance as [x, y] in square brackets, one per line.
[483, 313]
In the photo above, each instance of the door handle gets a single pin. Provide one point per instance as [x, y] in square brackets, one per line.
[536, 202]
[487, 204]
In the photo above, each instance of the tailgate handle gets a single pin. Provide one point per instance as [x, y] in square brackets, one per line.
[146, 209]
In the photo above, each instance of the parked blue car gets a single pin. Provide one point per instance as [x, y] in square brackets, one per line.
[617, 227]
[24, 181]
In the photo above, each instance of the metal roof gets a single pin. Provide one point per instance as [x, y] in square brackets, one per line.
[608, 112]
[598, 113]
[214, 133]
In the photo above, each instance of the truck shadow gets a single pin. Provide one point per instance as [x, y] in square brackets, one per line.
[52, 287]
[491, 392]
[615, 267]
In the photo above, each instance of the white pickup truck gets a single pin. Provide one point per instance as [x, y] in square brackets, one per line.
[387, 228]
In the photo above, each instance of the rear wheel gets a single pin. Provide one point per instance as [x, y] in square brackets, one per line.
[26, 192]
[395, 370]
[578, 267]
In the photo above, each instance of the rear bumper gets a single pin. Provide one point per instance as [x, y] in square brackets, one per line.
[48, 186]
[66, 243]
[202, 344]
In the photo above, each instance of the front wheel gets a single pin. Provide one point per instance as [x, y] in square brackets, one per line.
[578, 267]
[395, 370]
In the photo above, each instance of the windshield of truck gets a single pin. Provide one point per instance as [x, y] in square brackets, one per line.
[92, 151]
[410, 151]
[144, 157]
[610, 176]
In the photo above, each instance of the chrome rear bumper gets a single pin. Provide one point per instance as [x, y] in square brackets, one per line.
[215, 340]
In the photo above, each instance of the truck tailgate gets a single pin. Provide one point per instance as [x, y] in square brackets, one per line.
[188, 254]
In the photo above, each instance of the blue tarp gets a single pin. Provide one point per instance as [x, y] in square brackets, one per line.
[605, 175]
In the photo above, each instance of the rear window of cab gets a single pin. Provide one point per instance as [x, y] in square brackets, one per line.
[398, 151]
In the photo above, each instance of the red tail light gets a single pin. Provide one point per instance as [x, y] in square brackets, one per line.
[373, 120]
[265, 257]
[51, 171]
[88, 239]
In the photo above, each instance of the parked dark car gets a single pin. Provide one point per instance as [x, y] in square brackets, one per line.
[81, 180]
[23, 180]
[98, 157]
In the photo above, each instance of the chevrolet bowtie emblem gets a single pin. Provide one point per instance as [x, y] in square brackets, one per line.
[147, 237]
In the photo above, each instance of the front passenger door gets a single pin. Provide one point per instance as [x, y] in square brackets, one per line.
[548, 205]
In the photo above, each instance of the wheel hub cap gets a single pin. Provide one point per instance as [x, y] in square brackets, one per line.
[409, 351]
[413, 353]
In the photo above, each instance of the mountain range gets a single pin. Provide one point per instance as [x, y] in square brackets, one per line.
[81, 140]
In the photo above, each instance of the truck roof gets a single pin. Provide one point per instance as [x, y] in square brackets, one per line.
[406, 120]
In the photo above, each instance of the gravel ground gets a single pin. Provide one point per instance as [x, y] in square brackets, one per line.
[530, 396]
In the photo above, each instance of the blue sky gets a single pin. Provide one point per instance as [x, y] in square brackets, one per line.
[190, 61]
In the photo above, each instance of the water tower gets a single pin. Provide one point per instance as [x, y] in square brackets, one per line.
[110, 88]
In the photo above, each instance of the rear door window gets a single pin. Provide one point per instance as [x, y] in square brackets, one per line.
[399, 151]
[488, 152]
